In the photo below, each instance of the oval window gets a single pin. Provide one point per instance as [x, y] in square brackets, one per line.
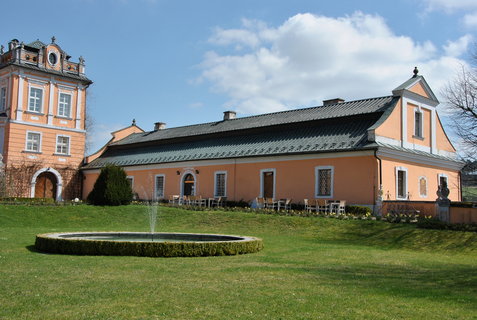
[52, 58]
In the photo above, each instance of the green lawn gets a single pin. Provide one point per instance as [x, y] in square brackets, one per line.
[310, 268]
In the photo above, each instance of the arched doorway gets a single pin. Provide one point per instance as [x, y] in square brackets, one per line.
[46, 185]
[188, 185]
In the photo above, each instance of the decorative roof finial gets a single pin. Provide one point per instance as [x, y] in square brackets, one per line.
[81, 60]
[2, 51]
[415, 72]
[133, 122]
[53, 39]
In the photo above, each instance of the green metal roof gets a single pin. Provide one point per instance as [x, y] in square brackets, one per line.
[330, 128]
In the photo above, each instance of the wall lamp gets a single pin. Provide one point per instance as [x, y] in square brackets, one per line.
[178, 172]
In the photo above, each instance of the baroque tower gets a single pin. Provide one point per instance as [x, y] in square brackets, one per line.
[42, 120]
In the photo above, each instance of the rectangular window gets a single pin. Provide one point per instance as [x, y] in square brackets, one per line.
[35, 100]
[3, 99]
[159, 186]
[418, 124]
[324, 182]
[220, 184]
[33, 142]
[64, 105]
[442, 179]
[130, 180]
[63, 145]
[401, 183]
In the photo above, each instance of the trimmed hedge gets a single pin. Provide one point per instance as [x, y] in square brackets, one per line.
[358, 210]
[146, 249]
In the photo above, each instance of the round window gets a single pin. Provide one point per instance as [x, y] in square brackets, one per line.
[52, 58]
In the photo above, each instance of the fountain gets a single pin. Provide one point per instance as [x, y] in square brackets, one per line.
[151, 244]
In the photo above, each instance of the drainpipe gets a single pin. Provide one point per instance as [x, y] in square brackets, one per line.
[380, 182]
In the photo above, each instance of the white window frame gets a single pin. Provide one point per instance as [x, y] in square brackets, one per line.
[406, 189]
[442, 175]
[420, 134]
[3, 98]
[39, 143]
[156, 196]
[131, 178]
[30, 88]
[317, 181]
[216, 173]
[69, 145]
[419, 187]
[262, 171]
[61, 104]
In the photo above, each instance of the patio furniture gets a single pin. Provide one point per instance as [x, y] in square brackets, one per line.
[342, 206]
[260, 203]
[216, 202]
[174, 199]
[310, 205]
[270, 203]
[322, 206]
[285, 203]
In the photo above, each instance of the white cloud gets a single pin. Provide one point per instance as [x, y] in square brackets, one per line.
[470, 20]
[458, 47]
[310, 58]
[100, 133]
[451, 5]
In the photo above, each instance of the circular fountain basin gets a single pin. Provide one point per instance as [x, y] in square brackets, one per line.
[158, 244]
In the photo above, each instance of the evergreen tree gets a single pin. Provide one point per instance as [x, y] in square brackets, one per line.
[111, 188]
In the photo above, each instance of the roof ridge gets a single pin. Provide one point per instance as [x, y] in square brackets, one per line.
[273, 113]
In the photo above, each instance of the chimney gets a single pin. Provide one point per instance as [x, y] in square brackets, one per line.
[159, 126]
[332, 101]
[229, 115]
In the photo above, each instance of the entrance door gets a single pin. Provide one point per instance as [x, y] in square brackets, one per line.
[45, 186]
[188, 185]
[268, 184]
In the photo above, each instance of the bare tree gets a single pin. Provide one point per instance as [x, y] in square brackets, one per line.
[461, 98]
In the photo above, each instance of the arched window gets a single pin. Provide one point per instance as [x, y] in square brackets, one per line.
[423, 187]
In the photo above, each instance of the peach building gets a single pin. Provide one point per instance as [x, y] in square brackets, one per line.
[392, 148]
[42, 120]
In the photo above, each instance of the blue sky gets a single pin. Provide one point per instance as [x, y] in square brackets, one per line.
[185, 62]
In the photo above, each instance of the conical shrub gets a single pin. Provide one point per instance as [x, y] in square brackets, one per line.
[111, 188]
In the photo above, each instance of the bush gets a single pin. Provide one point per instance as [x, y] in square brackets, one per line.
[45, 243]
[358, 210]
[111, 188]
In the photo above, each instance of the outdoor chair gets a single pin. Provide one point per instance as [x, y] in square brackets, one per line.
[260, 203]
[310, 205]
[270, 203]
[322, 206]
[199, 201]
[286, 204]
[216, 202]
[174, 199]
[341, 207]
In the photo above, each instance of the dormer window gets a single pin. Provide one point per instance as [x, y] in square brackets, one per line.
[52, 58]
[418, 124]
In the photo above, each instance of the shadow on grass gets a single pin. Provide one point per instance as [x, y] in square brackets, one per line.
[444, 282]
[404, 236]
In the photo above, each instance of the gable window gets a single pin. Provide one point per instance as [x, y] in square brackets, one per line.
[401, 183]
[324, 181]
[64, 105]
[418, 124]
[3, 99]
[35, 99]
[159, 187]
[33, 142]
[423, 187]
[63, 145]
[220, 188]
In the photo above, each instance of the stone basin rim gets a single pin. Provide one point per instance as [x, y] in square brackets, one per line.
[172, 235]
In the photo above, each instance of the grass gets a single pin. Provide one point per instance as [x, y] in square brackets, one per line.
[310, 268]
